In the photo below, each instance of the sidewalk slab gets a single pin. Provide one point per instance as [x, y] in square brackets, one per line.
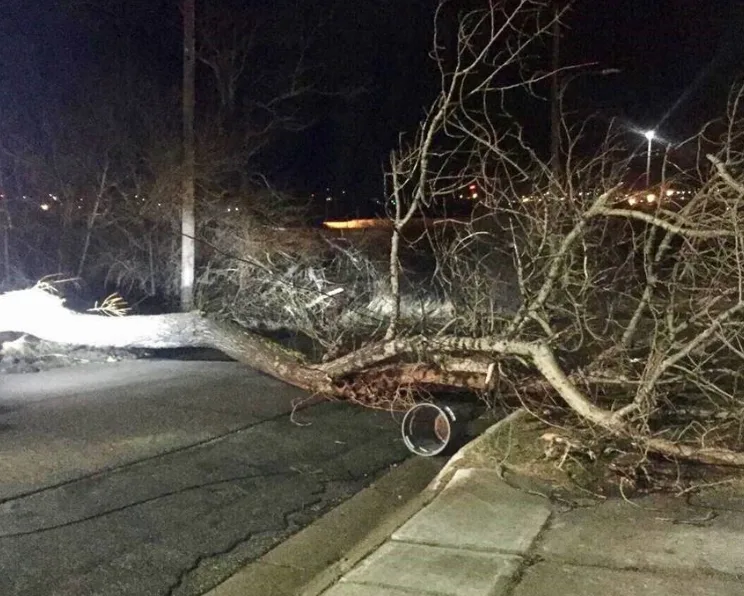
[619, 535]
[548, 579]
[433, 569]
[477, 510]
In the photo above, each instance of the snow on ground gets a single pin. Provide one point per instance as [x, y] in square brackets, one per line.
[24, 354]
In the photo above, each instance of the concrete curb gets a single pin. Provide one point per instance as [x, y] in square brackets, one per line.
[448, 471]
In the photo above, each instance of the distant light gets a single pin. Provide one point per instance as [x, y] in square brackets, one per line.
[670, 193]
[650, 197]
[632, 201]
[472, 187]
[474, 195]
[44, 207]
[357, 224]
[650, 134]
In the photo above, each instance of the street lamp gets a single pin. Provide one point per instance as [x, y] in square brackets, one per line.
[650, 135]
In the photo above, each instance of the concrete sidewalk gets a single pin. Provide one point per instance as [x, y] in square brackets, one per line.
[473, 532]
[482, 537]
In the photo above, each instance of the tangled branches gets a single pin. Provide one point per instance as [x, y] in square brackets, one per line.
[629, 309]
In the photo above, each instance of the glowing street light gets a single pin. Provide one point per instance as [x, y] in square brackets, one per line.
[650, 135]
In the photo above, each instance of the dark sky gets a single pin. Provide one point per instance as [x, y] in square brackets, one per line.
[678, 59]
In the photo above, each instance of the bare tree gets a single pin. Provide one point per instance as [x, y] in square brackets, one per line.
[626, 307]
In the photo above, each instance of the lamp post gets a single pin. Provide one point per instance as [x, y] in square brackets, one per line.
[649, 134]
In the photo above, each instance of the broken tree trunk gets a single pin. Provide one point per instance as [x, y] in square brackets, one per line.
[43, 315]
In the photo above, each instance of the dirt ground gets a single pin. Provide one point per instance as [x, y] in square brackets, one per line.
[573, 463]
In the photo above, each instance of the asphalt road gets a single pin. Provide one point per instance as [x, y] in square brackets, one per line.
[150, 478]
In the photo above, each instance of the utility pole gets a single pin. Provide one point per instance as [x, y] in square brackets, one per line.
[188, 222]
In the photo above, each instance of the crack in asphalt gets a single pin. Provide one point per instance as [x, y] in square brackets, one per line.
[292, 471]
[291, 522]
[127, 506]
[324, 497]
[282, 533]
[332, 483]
[117, 468]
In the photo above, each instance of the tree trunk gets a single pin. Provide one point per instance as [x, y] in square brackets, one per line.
[44, 315]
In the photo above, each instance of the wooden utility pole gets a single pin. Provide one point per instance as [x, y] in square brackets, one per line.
[188, 222]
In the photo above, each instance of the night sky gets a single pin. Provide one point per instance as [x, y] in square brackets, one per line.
[678, 60]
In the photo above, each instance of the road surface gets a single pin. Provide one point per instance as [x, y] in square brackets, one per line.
[149, 478]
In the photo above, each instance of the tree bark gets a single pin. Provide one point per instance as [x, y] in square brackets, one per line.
[44, 315]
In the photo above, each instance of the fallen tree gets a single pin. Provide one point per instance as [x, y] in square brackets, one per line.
[458, 360]
[629, 306]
